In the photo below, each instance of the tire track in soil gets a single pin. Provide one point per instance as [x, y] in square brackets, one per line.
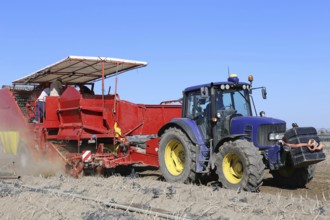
[318, 188]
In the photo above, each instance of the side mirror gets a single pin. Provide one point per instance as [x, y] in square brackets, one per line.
[262, 114]
[205, 92]
[264, 93]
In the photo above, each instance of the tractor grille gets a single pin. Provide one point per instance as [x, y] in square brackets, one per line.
[248, 131]
[265, 130]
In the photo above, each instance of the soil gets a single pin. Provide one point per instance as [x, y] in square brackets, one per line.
[49, 194]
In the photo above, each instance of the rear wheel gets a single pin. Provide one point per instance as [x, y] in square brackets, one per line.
[177, 156]
[294, 177]
[239, 165]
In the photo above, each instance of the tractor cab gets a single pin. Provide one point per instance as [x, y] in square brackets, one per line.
[213, 106]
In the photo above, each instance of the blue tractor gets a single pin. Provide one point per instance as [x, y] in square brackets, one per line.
[218, 133]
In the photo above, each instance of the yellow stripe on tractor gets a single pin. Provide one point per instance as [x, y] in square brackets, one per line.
[9, 140]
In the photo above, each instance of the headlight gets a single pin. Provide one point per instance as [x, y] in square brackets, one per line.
[275, 136]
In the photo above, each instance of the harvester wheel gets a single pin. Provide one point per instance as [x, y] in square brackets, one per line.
[177, 156]
[294, 177]
[240, 166]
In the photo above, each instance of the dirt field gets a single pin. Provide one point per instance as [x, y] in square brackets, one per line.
[61, 197]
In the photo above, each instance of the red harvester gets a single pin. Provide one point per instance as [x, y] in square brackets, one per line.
[92, 133]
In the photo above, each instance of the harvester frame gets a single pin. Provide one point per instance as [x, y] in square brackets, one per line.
[91, 133]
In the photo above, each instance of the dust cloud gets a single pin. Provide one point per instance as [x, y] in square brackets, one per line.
[27, 163]
[18, 155]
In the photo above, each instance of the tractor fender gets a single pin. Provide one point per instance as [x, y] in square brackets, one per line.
[190, 128]
[186, 125]
[232, 137]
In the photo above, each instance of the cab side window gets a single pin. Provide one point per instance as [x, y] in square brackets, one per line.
[196, 105]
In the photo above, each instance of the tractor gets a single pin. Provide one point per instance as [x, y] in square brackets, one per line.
[218, 133]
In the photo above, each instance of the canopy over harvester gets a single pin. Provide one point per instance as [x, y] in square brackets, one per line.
[80, 69]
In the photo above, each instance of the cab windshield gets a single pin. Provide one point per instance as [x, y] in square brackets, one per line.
[237, 101]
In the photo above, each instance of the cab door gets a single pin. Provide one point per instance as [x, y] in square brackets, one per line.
[198, 108]
[227, 105]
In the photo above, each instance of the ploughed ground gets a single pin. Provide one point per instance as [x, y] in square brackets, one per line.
[47, 193]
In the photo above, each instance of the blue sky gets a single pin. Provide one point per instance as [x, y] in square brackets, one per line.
[284, 44]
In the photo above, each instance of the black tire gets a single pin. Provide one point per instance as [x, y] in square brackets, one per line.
[290, 177]
[239, 165]
[177, 156]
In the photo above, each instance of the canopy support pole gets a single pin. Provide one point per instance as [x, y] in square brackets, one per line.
[103, 85]
[114, 112]
[116, 85]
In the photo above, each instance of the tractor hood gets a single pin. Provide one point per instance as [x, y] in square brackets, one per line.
[258, 129]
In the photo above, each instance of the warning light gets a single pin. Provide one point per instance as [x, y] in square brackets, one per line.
[233, 78]
[250, 78]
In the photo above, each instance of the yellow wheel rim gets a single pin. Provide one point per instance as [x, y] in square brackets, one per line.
[174, 157]
[232, 168]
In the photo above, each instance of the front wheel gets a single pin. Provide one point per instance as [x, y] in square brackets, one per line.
[177, 156]
[294, 177]
[239, 165]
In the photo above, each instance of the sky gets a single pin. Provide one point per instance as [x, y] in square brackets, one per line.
[285, 45]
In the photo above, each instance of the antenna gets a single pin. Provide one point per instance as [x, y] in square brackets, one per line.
[228, 72]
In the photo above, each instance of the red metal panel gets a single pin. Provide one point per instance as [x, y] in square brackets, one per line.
[95, 118]
[69, 106]
[11, 116]
[69, 112]
[137, 119]
[52, 119]
[83, 115]
[152, 146]
[128, 118]
[155, 116]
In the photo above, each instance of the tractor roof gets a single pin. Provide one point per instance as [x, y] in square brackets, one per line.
[231, 84]
[80, 70]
